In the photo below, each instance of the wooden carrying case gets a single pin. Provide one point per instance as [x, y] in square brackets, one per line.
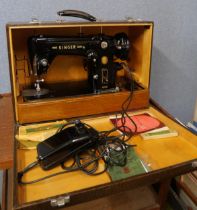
[166, 157]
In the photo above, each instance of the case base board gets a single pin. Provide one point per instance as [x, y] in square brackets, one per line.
[156, 153]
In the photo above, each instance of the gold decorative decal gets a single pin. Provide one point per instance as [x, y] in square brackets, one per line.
[54, 47]
[64, 47]
[80, 47]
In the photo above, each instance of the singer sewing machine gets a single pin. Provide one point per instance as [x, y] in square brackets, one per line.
[61, 69]
[100, 53]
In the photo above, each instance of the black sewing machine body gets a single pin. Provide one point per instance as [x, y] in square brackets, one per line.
[99, 51]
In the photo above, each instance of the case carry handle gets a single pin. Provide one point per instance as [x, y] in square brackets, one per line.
[76, 13]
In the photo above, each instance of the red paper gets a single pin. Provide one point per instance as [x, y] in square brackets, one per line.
[144, 122]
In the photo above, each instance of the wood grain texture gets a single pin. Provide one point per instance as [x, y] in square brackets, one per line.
[141, 198]
[159, 154]
[6, 132]
[4, 190]
[101, 191]
[79, 106]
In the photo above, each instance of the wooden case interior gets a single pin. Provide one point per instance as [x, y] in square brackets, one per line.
[70, 69]
[156, 153]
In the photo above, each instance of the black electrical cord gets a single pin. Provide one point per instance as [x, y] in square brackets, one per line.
[126, 131]
[112, 150]
[88, 161]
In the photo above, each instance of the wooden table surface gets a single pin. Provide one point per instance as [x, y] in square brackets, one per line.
[6, 131]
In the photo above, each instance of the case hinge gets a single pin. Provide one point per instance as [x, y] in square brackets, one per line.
[130, 19]
[34, 20]
[61, 201]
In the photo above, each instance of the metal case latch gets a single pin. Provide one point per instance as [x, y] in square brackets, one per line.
[61, 201]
